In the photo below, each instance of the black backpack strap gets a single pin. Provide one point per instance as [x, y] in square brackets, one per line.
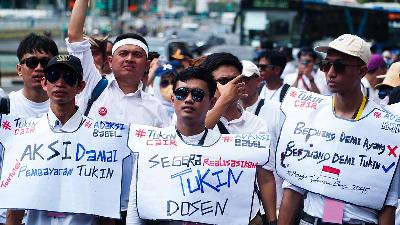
[260, 104]
[100, 86]
[5, 105]
[285, 88]
[221, 127]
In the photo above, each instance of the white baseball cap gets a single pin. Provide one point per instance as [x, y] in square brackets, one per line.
[350, 45]
[249, 68]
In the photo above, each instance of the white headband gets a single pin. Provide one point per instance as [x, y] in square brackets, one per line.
[130, 41]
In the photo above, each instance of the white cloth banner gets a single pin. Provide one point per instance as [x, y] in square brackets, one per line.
[210, 184]
[352, 161]
[78, 172]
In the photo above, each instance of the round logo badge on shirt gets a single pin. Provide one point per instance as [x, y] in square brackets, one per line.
[102, 111]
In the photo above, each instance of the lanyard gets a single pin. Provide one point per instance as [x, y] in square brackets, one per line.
[202, 139]
[359, 111]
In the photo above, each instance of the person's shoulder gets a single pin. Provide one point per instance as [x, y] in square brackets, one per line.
[253, 122]
[290, 77]
[394, 108]
[150, 100]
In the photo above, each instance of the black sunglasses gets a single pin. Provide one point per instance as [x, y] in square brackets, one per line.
[339, 67]
[165, 83]
[224, 80]
[265, 66]
[384, 92]
[182, 93]
[305, 62]
[69, 77]
[32, 62]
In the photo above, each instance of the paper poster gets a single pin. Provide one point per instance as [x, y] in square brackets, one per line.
[212, 184]
[352, 161]
[78, 172]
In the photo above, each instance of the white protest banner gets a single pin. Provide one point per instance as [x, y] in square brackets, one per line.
[210, 184]
[78, 172]
[348, 160]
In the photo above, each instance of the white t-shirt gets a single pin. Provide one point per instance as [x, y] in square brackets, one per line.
[271, 113]
[114, 105]
[37, 217]
[21, 106]
[273, 95]
[319, 79]
[289, 68]
[395, 109]
[247, 123]
[314, 203]
[369, 91]
[132, 217]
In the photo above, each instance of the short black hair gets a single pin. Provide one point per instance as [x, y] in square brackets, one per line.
[133, 36]
[215, 60]
[36, 43]
[275, 58]
[307, 51]
[199, 73]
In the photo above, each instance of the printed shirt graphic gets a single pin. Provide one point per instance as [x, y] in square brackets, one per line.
[334, 157]
[62, 172]
[210, 184]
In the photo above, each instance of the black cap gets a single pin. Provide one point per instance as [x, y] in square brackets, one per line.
[70, 61]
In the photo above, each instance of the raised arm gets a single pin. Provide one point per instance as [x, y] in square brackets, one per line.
[230, 92]
[77, 21]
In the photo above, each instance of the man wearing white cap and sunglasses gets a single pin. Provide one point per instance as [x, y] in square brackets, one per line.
[344, 66]
[122, 99]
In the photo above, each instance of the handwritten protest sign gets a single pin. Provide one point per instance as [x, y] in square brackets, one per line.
[212, 184]
[78, 172]
[353, 161]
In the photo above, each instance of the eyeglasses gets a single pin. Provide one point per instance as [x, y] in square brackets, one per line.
[265, 66]
[69, 77]
[247, 79]
[305, 62]
[384, 92]
[165, 83]
[32, 62]
[182, 93]
[339, 67]
[224, 80]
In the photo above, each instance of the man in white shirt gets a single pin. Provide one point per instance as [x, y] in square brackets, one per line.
[271, 65]
[193, 96]
[266, 109]
[344, 66]
[33, 53]
[307, 77]
[230, 117]
[122, 100]
[62, 82]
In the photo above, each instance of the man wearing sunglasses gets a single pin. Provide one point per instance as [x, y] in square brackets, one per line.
[122, 99]
[344, 66]
[306, 76]
[62, 82]
[193, 95]
[227, 116]
[271, 64]
[34, 52]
